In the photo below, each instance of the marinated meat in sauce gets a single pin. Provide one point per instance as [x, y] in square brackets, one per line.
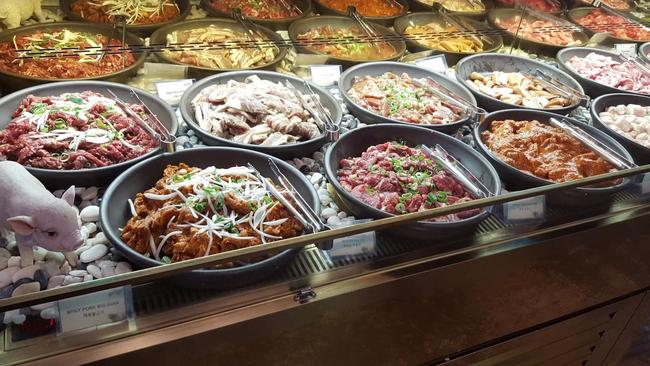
[540, 30]
[136, 12]
[73, 131]
[60, 64]
[600, 21]
[399, 98]
[193, 212]
[542, 150]
[399, 179]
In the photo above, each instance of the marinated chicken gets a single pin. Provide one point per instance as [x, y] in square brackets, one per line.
[542, 150]
[540, 30]
[256, 111]
[193, 212]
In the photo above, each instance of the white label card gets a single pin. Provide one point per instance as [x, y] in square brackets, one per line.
[628, 49]
[436, 63]
[172, 91]
[364, 243]
[532, 208]
[92, 310]
[325, 75]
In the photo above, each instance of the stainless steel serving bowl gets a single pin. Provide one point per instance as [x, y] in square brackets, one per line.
[355, 142]
[576, 13]
[420, 19]
[305, 7]
[299, 149]
[386, 21]
[115, 211]
[490, 62]
[55, 179]
[378, 69]
[418, 5]
[11, 81]
[199, 72]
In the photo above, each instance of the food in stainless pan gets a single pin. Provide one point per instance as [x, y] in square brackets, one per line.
[328, 40]
[601, 21]
[539, 30]
[368, 8]
[542, 150]
[255, 111]
[136, 12]
[399, 179]
[517, 89]
[547, 6]
[192, 212]
[605, 70]
[57, 59]
[74, 131]
[259, 9]
[615, 4]
[631, 121]
[402, 98]
[461, 6]
[227, 51]
[433, 35]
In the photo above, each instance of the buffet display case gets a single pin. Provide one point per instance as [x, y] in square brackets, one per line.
[396, 182]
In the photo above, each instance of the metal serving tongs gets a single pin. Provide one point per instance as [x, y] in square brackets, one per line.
[119, 20]
[549, 18]
[607, 153]
[159, 131]
[249, 27]
[289, 4]
[319, 114]
[463, 175]
[367, 28]
[640, 64]
[474, 112]
[461, 25]
[554, 84]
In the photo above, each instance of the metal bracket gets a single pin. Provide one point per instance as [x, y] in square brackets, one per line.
[304, 295]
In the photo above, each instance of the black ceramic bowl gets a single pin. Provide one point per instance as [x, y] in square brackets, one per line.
[503, 4]
[383, 20]
[355, 142]
[305, 148]
[11, 81]
[55, 179]
[420, 19]
[592, 88]
[115, 211]
[644, 51]
[337, 22]
[576, 13]
[529, 44]
[516, 179]
[487, 63]
[274, 24]
[199, 72]
[379, 68]
[417, 5]
[184, 7]
[640, 153]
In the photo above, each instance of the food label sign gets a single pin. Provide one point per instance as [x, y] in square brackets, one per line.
[627, 49]
[533, 208]
[93, 310]
[172, 91]
[436, 63]
[325, 75]
[363, 243]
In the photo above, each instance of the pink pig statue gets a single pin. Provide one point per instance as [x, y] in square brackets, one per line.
[36, 216]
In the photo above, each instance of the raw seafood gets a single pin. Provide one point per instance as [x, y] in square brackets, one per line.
[543, 151]
[631, 121]
[368, 8]
[399, 179]
[605, 70]
[256, 111]
[460, 6]
[546, 6]
[134, 11]
[223, 48]
[257, 9]
[433, 35]
[600, 21]
[398, 97]
[60, 64]
[327, 40]
[518, 89]
[193, 212]
[539, 30]
[73, 131]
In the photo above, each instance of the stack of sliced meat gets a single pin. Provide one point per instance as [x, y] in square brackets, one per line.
[605, 70]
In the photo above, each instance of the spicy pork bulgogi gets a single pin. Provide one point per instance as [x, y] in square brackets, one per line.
[542, 150]
[600, 21]
[55, 63]
[73, 131]
[258, 9]
[256, 111]
[540, 30]
[368, 8]
[398, 179]
[399, 98]
[193, 212]
[135, 11]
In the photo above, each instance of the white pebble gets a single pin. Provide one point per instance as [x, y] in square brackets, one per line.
[100, 238]
[94, 270]
[106, 263]
[108, 271]
[55, 281]
[88, 277]
[90, 227]
[190, 132]
[78, 273]
[335, 206]
[123, 267]
[26, 288]
[180, 140]
[89, 193]
[55, 257]
[327, 213]
[49, 313]
[69, 280]
[9, 315]
[325, 200]
[342, 215]
[94, 253]
[90, 213]
[194, 140]
[51, 268]
[5, 253]
[334, 220]
[316, 178]
[27, 272]
[323, 192]
[13, 261]
[83, 248]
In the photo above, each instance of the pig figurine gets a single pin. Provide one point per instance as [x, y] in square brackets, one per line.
[13, 12]
[36, 216]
